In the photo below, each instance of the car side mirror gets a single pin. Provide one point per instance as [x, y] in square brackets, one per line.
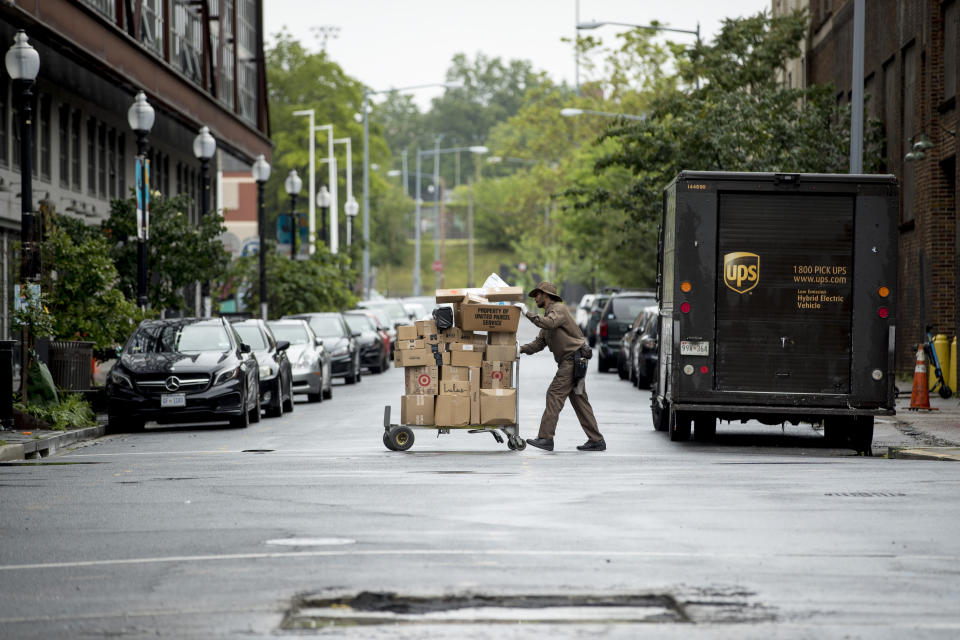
[245, 348]
[283, 345]
[318, 341]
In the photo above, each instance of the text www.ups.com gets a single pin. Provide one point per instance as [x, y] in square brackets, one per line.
[820, 279]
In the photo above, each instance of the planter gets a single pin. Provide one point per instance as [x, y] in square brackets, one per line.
[70, 364]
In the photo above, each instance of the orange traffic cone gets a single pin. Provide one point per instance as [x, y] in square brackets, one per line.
[920, 397]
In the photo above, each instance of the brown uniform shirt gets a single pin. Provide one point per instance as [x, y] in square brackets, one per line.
[558, 332]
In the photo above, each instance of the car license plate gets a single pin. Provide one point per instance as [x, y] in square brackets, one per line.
[173, 400]
[688, 348]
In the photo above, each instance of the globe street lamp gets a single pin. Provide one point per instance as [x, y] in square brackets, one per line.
[292, 185]
[140, 117]
[351, 209]
[261, 173]
[323, 201]
[204, 146]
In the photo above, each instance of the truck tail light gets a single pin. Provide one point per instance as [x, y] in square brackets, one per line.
[883, 292]
[603, 329]
[685, 307]
[883, 312]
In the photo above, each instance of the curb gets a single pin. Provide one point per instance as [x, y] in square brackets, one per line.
[926, 453]
[44, 447]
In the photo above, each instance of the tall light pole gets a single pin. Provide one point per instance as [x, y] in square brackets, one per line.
[351, 203]
[292, 185]
[334, 236]
[366, 171]
[140, 117]
[312, 210]
[23, 65]
[204, 146]
[261, 173]
[351, 209]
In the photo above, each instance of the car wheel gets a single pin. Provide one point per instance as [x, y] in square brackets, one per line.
[602, 365]
[255, 413]
[288, 403]
[353, 377]
[621, 368]
[328, 392]
[241, 421]
[318, 396]
[275, 410]
[358, 369]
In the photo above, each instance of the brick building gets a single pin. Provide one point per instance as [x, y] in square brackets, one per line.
[199, 62]
[911, 73]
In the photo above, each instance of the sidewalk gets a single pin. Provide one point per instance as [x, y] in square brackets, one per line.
[28, 445]
[935, 434]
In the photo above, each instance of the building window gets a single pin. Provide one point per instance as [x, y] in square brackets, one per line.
[106, 7]
[951, 31]
[247, 70]
[4, 123]
[44, 136]
[122, 166]
[179, 178]
[248, 87]
[75, 151]
[187, 40]
[102, 160]
[63, 122]
[92, 156]
[151, 26]
[112, 163]
[228, 52]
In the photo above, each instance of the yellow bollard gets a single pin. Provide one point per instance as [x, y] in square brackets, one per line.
[952, 369]
[942, 346]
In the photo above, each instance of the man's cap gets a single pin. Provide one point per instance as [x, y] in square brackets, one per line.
[547, 288]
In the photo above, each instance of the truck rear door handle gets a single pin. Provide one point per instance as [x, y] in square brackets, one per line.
[782, 374]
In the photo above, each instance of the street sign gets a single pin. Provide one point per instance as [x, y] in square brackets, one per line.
[437, 266]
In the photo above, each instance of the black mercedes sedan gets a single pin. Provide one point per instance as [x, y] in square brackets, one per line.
[276, 372]
[183, 370]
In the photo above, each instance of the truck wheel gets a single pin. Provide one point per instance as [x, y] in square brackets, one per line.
[679, 426]
[704, 428]
[861, 434]
[660, 416]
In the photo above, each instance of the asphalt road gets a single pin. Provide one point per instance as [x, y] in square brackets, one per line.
[200, 532]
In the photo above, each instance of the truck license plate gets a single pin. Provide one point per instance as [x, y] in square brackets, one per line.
[173, 400]
[688, 348]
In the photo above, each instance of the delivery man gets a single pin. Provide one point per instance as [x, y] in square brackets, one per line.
[560, 333]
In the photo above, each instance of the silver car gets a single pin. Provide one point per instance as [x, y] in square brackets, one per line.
[310, 360]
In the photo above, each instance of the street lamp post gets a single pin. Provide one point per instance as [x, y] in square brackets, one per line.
[366, 172]
[261, 173]
[312, 210]
[323, 201]
[140, 117]
[351, 209]
[334, 236]
[293, 184]
[23, 65]
[351, 203]
[204, 146]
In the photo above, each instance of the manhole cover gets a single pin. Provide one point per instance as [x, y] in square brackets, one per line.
[375, 608]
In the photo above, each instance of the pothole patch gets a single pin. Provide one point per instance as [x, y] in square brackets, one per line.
[382, 608]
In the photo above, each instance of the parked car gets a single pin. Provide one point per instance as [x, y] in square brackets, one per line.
[276, 373]
[385, 323]
[339, 341]
[374, 344]
[583, 311]
[416, 311]
[646, 352]
[626, 344]
[308, 357]
[618, 314]
[593, 320]
[396, 314]
[183, 370]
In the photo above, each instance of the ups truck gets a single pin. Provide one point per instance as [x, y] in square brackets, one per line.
[777, 302]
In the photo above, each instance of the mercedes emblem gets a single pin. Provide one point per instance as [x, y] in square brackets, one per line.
[172, 383]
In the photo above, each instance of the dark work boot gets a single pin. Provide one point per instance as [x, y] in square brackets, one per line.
[593, 445]
[541, 443]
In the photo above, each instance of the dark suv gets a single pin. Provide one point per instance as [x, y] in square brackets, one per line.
[615, 320]
[183, 370]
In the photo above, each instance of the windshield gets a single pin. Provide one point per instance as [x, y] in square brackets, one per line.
[250, 334]
[628, 307]
[395, 311]
[327, 326]
[191, 338]
[599, 302]
[292, 333]
[359, 324]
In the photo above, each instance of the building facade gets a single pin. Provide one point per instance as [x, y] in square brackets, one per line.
[911, 73]
[199, 62]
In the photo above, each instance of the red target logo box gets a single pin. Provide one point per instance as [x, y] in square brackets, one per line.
[496, 375]
[422, 381]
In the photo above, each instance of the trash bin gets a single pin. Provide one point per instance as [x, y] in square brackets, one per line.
[70, 364]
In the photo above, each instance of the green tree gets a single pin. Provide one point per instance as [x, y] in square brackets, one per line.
[179, 253]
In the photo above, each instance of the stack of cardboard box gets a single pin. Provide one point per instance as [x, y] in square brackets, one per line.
[462, 375]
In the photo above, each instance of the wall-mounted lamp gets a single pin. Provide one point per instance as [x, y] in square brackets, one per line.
[919, 149]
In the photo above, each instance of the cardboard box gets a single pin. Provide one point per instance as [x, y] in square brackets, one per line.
[501, 338]
[430, 338]
[418, 357]
[454, 387]
[418, 410]
[422, 380]
[455, 295]
[490, 317]
[453, 334]
[452, 411]
[504, 294]
[426, 328]
[455, 373]
[406, 345]
[465, 358]
[474, 396]
[501, 353]
[496, 375]
[406, 332]
[473, 298]
[464, 346]
[498, 406]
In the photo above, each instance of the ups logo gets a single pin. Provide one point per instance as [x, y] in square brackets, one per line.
[741, 270]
